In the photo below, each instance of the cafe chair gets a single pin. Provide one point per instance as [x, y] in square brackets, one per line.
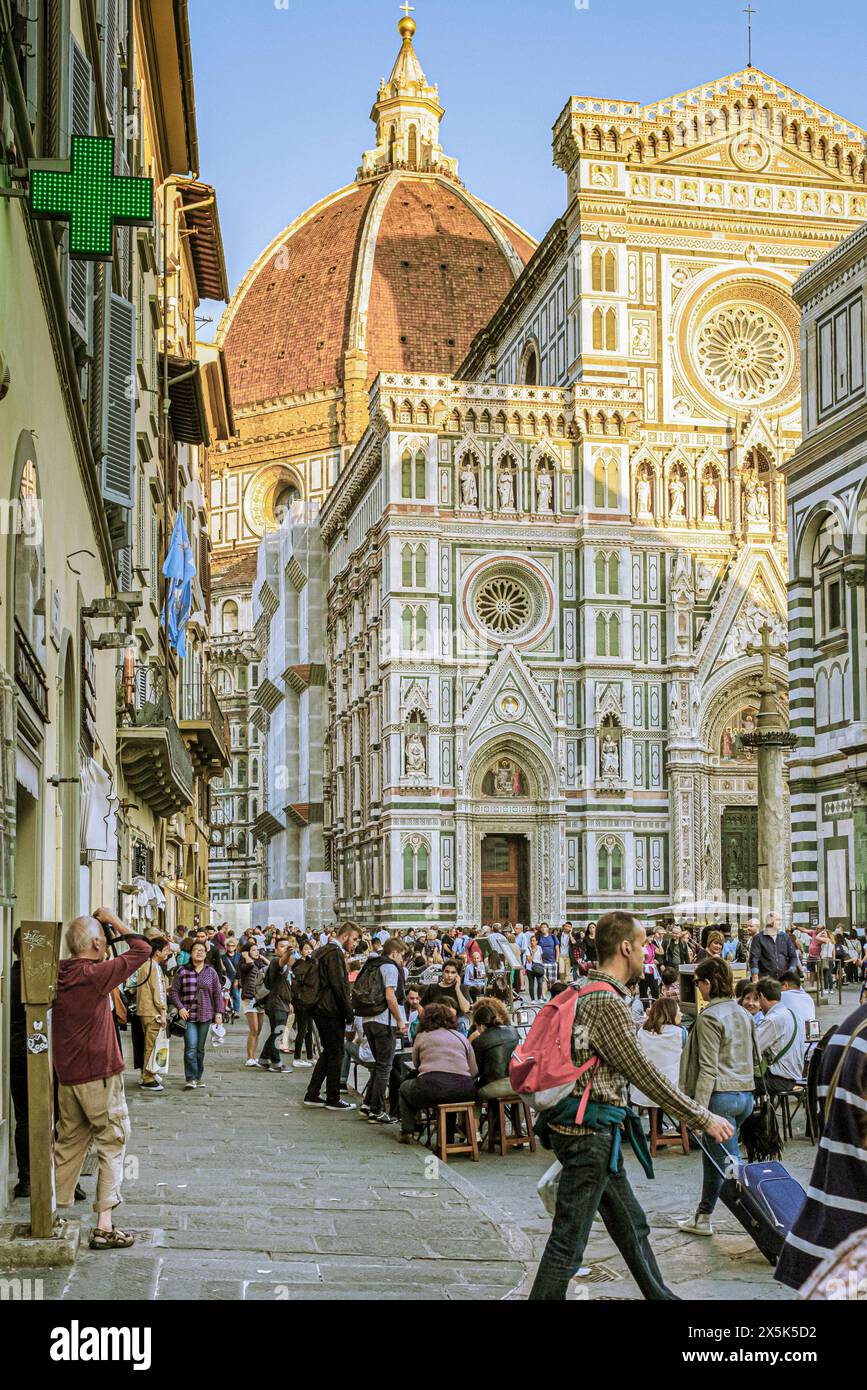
[503, 1111]
[463, 1113]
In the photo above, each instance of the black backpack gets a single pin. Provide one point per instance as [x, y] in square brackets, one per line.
[306, 983]
[368, 992]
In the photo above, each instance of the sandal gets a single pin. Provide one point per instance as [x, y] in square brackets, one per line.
[111, 1240]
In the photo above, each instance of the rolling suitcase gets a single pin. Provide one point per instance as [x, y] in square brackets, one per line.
[765, 1199]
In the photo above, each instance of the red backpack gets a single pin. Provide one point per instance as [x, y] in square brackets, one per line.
[541, 1070]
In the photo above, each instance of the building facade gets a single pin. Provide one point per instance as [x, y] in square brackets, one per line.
[549, 574]
[827, 496]
[108, 743]
[340, 294]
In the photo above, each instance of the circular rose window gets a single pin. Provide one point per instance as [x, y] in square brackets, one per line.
[503, 605]
[508, 600]
[743, 354]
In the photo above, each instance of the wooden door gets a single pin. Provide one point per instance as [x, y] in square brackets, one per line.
[502, 887]
[739, 845]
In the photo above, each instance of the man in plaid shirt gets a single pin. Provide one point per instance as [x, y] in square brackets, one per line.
[593, 1177]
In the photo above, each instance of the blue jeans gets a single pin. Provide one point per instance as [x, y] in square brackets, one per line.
[195, 1037]
[587, 1186]
[734, 1106]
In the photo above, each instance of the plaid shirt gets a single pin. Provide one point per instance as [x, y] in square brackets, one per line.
[604, 1028]
[200, 993]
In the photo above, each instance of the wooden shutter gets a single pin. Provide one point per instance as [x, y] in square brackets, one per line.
[79, 274]
[110, 66]
[124, 570]
[118, 467]
[98, 390]
[55, 134]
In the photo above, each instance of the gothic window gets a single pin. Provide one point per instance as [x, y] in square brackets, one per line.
[416, 866]
[421, 567]
[406, 566]
[607, 634]
[412, 149]
[413, 629]
[828, 587]
[414, 566]
[223, 681]
[242, 842]
[610, 331]
[598, 330]
[254, 772]
[230, 617]
[531, 368]
[607, 574]
[606, 482]
[610, 862]
[413, 474]
[596, 271]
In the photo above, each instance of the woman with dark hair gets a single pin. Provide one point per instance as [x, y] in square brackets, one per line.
[250, 972]
[197, 995]
[534, 967]
[303, 1017]
[445, 1064]
[494, 1039]
[717, 1071]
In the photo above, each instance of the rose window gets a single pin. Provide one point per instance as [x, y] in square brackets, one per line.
[503, 605]
[743, 354]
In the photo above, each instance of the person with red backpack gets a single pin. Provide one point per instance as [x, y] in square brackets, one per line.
[584, 1127]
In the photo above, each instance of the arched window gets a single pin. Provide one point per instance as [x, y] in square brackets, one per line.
[829, 611]
[610, 331]
[610, 862]
[607, 634]
[413, 474]
[406, 566]
[606, 482]
[596, 270]
[601, 573]
[607, 573]
[421, 567]
[412, 147]
[601, 635]
[610, 271]
[416, 866]
[242, 842]
[254, 772]
[406, 475]
[230, 616]
[531, 368]
[598, 330]
[613, 574]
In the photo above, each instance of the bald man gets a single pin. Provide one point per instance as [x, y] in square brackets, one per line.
[89, 1065]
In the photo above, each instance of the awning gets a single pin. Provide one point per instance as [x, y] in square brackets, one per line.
[205, 240]
[188, 414]
[27, 772]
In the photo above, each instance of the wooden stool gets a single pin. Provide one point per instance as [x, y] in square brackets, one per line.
[465, 1114]
[658, 1140]
[510, 1109]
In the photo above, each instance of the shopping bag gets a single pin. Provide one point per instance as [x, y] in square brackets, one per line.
[548, 1186]
[285, 1043]
[158, 1062]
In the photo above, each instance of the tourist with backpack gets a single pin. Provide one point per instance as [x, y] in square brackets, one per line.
[587, 1035]
[378, 996]
[325, 993]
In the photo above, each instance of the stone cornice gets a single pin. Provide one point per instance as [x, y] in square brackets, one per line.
[835, 263]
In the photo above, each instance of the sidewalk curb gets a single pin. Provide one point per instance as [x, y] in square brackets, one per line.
[518, 1243]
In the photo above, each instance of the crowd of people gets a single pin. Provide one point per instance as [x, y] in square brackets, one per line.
[429, 1016]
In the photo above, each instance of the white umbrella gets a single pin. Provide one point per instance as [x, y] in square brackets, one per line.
[707, 907]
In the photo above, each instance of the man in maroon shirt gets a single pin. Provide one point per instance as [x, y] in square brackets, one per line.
[89, 1065]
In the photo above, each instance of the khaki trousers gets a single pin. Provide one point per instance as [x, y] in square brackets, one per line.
[151, 1033]
[95, 1110]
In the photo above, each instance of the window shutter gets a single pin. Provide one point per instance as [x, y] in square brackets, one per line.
[155, 560]
[118, 467]
[55, 132]
[110, 60]
[124, 569]
[98, 394]
[141, 549]
[79, 274]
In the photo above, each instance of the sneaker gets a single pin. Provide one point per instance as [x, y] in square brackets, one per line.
[698, 1225]
[190, 1085]
[364, 1110]
[383, 1118]
[278, 1066]
[318, 1101]
[344, 1088]
[299, 1063]
[341, 1105]
[22, 1188]
[251, 1062]
[151, 1086]
[200, 1083]
[264, 1064]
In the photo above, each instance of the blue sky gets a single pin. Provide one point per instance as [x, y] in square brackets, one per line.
[284, 87]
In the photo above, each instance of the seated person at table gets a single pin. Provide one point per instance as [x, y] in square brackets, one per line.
[747, 996]
[448, 991]
[475, 975]
[781, 1039]
[661, 1039]
[446, 1066]
[494, 1039]
[670, 983]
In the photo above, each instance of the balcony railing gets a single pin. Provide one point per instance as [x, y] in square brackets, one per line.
[204, 725]
[153, 754]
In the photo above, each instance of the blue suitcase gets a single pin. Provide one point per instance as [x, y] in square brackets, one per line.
[765, 1199]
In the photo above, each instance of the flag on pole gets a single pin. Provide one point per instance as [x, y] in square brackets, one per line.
[179, 569]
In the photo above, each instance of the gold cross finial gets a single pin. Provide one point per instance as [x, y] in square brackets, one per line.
[406, 26]
[407, 8]
[749, 12]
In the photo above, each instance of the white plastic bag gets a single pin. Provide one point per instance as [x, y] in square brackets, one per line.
[158, 1062]
[285, 1043]
[549, 1185]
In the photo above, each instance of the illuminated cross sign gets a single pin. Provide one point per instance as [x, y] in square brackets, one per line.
[90, 197]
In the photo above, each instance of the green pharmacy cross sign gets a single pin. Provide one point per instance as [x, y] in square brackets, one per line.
[87, 193]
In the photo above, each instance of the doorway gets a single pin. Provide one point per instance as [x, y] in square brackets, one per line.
[505, 879]
[739, 845]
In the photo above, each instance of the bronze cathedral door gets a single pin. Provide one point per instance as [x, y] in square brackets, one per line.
[739, 845]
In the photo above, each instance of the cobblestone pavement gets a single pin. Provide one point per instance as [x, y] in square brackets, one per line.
[239, 1192]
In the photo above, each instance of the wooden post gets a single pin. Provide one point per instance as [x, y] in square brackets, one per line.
[40, 952]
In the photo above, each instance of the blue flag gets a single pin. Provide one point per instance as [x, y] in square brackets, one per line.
[179, 569]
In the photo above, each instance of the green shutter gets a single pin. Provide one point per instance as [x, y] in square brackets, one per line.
[614, 635]
[118, 468]
[406, 476]
[420, 475]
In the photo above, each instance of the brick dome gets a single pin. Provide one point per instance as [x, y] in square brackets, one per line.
[397, 271]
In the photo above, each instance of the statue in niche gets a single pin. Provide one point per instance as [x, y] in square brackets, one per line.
[469, 486]
[544, 491]
[610, 757]
[416, 753]
[506, 490]
[643, 494]
[676, 498]
[755, 498]
[709, 497]
[504, 780]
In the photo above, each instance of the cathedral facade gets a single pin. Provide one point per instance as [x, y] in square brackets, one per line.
[548, 573]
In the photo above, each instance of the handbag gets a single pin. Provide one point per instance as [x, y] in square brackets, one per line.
[285, 1043]
[760, 1131]
[178, 1025]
